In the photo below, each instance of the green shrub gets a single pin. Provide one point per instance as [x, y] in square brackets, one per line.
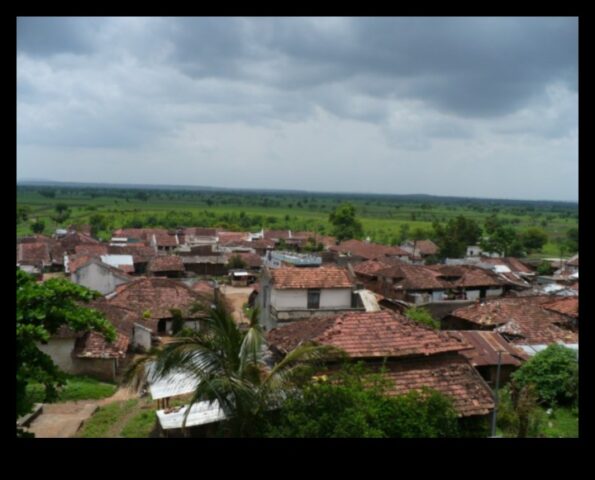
[554, 373]
[353, 403]
[422, 316]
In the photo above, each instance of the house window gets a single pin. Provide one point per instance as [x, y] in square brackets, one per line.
[313, 298]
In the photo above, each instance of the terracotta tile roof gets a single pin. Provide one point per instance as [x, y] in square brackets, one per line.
[231, 238]
[91, 249]
[367, 335]
[203, 286]
[438, 277]
[155, 297]
[165, 240]
[121, 317]
[252, 259]
[514, 264]
[327, 240]
[330, 276]
[37, 254]
[72, 239]
[525, 317]
[94, 345]
[140, 252]
[368, 251]
[452, 376]
[77, 261]
[166, 263]
[413, 277]
[276, 234]
[200, 232]
[426, 247]
[57, 253]
[566, 306]
[370, 267]
[485, 349]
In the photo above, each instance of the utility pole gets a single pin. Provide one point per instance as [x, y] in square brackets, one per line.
[496, 395]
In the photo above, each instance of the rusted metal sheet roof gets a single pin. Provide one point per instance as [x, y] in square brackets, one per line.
[486, 346]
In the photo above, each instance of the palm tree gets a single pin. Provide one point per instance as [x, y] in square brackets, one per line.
[230, 366]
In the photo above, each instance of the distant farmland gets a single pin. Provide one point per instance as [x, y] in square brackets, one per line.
[382, 215]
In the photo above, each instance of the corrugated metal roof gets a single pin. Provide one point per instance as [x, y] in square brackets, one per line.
[117, 260]
[486, 346]
[201, 413]
[177, 383]
[369, 300]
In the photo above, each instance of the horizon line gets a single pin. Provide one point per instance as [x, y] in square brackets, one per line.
[139, 185]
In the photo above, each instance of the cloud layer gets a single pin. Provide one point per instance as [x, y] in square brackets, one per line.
[465, 106]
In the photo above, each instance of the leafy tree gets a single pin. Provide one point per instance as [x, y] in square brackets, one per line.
[572, 239]
[42, 308]
[98, 222]
[533, 239]
[404, 232]
[504, 241]
[422, 316]
[454, 237]
[518, 410]
[553, 372]
[228, 365]
[353, 402]
[345, 225]
[38, 226]
[61, 208]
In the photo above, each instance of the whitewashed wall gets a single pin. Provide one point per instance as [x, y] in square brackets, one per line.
[60, 349]
[294, 298]
[95, 277]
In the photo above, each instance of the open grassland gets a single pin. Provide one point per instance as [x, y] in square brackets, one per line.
[383, 217]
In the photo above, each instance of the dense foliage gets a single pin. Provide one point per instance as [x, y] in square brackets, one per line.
[454, 237]
[353, 403]
[554, 374]
[42, 308]
[345, 225]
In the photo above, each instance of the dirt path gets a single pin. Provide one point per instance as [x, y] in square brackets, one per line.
[237, 296]
[62, 420]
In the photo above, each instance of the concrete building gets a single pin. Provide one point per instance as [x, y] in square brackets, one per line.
[288, 294]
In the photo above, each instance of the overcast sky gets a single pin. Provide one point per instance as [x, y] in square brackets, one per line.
[480, 107]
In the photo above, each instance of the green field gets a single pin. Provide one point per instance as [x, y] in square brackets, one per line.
[76, 388]
[382, 216]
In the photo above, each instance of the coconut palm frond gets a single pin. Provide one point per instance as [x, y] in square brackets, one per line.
[137, 373]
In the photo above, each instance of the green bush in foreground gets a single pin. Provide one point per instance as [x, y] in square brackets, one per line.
[353, 403]
[554, 373]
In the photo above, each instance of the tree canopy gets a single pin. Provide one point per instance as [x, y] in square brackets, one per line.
[345, 225]
[554, 374]
[42, 308]
[454, 237]
[353, 402]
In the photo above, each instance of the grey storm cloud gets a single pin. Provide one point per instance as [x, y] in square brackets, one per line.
[467, 66]
[127, 82]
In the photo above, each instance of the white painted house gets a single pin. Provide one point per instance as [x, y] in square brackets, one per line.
[293, 293]
[99, 276]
